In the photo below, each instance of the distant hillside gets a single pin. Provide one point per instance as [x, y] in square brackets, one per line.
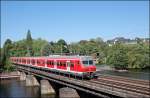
[127, 40]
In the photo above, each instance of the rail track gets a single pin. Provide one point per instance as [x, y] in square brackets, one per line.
[128, 84]
[123, 86]
[124, 79]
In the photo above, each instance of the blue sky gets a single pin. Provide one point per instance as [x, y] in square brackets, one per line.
[74, 20]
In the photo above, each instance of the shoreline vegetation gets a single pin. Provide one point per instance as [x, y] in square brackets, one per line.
[120, 54]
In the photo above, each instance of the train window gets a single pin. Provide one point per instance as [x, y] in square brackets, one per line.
[85, 62]
[64, 64]
[57, 63]
[90, 62]
[48, 62]
[72, 64]
[61, 63]
[52, 62]
[38, 62]
[33, 62]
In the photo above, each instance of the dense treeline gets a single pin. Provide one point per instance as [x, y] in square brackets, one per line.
[118, 55]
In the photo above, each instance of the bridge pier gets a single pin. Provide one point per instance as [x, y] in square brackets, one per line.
[31, 81]
[22, 76]
[15, 73]
[46, 88]
[68, 93]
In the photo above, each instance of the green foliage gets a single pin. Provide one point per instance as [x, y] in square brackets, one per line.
[29, 43]
[8, 66]
[138, 56]
[19, 48]
[47, 50]
[61, 46]
[37, 46]
[118, 57]
[5, 64]
[61, 42]
[0, 57]
[29, 38]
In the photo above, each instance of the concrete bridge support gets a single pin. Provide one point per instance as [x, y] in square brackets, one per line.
[46, 88]
[15, 73]
[68, 93]
[22, 76]
[31, 81]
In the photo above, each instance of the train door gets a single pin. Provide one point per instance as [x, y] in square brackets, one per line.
[55, 64]
[68, 65]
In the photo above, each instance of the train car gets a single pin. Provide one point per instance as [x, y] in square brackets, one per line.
[76, 65]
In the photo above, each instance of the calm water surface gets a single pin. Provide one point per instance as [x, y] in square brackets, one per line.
[17, 89]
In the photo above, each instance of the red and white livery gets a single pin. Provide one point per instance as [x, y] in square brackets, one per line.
[76, 65]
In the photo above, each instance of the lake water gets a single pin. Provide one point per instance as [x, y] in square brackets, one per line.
[16, 89]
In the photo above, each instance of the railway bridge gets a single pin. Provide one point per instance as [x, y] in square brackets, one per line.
[103, 86]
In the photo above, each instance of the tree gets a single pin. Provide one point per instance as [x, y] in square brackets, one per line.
[5, 53]
[29, 38]
[19, 48]
[47, 50]
[7, 46]
[38, 44]
[62, 46]
[29, 44]
[138, 56]
[74, 48]
[118, 57]
[1, 65]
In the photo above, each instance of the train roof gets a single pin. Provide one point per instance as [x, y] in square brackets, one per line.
[63, 57]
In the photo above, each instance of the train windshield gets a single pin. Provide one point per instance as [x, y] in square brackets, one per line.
[87, 62]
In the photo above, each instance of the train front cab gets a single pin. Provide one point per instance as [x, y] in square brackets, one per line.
[88, 68]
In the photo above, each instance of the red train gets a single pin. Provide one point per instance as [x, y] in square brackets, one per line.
[75, 65]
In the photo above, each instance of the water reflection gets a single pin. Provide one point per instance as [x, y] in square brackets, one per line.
[17, 89]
